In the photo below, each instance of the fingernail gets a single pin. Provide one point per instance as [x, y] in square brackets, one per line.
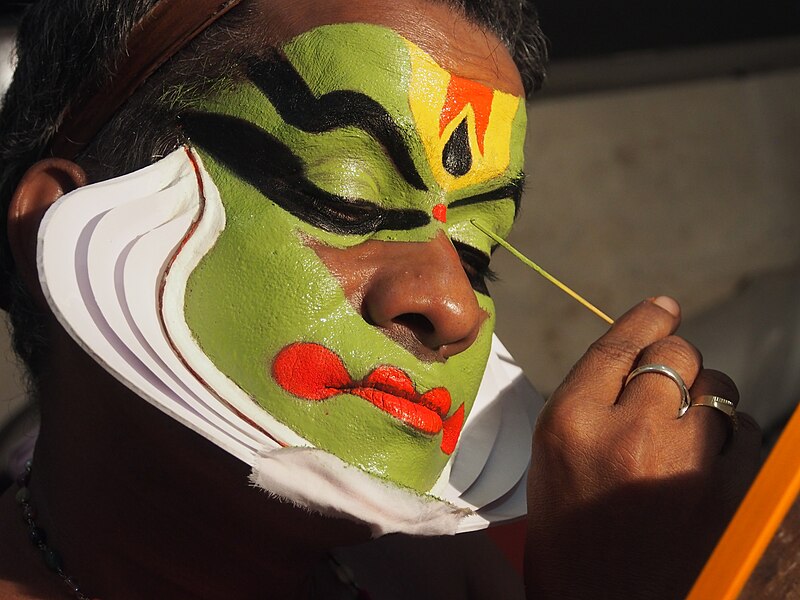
[668, 304]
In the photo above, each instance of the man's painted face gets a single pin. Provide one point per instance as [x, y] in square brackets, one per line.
[349, 135]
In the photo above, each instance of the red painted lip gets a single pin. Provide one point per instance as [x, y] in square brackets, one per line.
[313, 372]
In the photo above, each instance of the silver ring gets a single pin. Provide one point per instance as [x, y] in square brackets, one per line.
[672, 374]
[721, 404]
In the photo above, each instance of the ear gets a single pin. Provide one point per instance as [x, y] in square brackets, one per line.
[43, 184]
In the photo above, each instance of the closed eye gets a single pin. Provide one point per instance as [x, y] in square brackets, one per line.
[270, 166]
[510, 191]
[476, 267]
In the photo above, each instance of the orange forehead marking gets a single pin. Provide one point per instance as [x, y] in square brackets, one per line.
[461, 92]
[440, 213]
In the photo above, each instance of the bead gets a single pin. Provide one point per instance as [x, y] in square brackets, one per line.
[52, 560]
[23, 478]
[72, 584]
[38, 535]
[28, 512]
[23, 495]
[343, 573]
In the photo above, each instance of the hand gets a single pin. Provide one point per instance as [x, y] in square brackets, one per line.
[625, 500]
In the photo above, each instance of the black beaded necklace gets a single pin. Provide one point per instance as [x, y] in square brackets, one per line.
[54, 563]
[38, 536]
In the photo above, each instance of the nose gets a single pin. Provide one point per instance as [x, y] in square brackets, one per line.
[421, 297]
[416, 292]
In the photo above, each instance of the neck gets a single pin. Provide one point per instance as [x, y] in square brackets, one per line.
[139, 506]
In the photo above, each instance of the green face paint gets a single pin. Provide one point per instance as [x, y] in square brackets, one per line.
[350, 134]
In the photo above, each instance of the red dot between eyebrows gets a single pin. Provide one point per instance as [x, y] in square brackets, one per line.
[440, 213]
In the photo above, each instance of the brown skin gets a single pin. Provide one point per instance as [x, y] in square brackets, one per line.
[455, 43]
[141, 507]
[433, 323]
[625, 500]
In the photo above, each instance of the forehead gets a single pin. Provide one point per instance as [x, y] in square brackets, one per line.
[464, 128]
[454, 42]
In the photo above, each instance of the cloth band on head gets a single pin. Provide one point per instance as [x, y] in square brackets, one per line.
[167, 28]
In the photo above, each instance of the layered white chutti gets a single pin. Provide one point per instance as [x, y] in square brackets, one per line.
[105, 253]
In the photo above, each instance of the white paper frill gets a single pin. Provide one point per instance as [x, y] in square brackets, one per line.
[103, 251]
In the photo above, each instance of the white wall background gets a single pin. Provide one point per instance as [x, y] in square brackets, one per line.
[688, 189]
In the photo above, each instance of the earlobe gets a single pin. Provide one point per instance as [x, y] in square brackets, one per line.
[43, 184]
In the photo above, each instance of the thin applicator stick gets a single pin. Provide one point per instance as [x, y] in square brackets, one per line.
[543, 273]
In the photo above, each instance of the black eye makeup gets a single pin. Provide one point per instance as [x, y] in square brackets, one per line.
[283, 86]
[270, 166]
[511, 190]
[476, 267]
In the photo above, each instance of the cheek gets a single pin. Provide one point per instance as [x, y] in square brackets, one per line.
[257, 289]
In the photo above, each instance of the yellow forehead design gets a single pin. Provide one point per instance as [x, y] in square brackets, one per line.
[454, 110]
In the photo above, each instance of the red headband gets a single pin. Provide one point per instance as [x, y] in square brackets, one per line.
[169, 26]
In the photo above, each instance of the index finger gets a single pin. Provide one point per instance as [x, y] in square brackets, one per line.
[607, 362]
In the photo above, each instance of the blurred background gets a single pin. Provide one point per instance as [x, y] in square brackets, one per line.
[663, 158]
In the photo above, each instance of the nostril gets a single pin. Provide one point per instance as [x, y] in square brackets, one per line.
[419, 324]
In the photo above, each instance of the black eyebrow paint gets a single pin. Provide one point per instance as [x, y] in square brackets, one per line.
[298, 106]
[270, 166]
[512, 190]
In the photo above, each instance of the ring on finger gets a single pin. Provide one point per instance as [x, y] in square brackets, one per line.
[721, 404]
[672, 374]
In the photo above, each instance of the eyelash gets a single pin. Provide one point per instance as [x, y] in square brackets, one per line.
[476, 266]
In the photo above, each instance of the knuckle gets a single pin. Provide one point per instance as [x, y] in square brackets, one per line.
[748, 438]
[720, 384]
[615, 350]
[749, 423]
[674, 351]
[719, 378]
